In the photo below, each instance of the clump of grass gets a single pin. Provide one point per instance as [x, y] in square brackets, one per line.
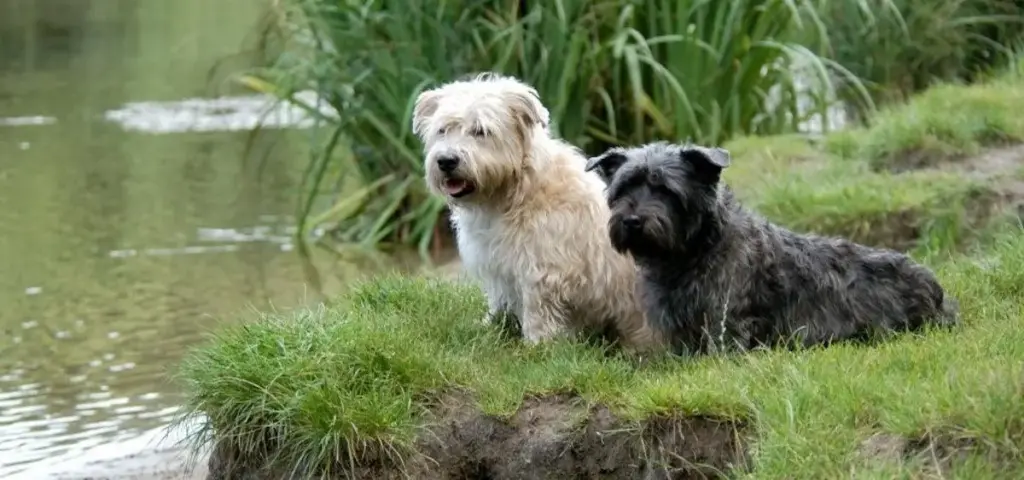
[611, 72]
[947, 121]
[382, 358]
[897, 211]
[881, 184]
[361, 376]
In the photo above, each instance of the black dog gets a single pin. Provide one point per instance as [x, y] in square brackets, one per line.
[715, 274]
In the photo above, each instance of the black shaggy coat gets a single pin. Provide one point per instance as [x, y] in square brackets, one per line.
[715, 275]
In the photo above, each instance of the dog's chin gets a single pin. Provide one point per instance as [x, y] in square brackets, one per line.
[621, 246]
[622, 240]
[635, 243]
[457, 187]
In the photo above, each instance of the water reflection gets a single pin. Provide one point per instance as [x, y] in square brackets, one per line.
[119, 248]
[25, 121]
[242, 113]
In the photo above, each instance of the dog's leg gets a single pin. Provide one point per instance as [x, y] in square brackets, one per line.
[501, 309]
[642, 340]
[496, 308]
[544, 315]
[498, 300]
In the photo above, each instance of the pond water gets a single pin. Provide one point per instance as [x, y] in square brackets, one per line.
[134, 214]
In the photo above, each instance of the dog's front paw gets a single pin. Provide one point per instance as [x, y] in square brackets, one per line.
[536, 332]
[494, 316]
[505, 321]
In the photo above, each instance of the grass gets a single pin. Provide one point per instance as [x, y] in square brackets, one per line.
[322, 386]
[846, 183]
[363, 374]
[944, 122]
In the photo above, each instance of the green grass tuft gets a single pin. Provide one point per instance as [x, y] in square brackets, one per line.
[899, 182]
[362, 376]
[945, 122]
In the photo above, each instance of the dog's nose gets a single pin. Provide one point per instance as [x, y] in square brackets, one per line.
[631, 222]
[447, 163]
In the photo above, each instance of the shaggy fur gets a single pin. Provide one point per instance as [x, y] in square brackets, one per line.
[529, 222]
[715, 275]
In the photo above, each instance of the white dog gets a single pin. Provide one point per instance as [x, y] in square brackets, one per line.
[530, 224]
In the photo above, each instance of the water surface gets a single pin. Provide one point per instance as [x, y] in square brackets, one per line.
[125, 237]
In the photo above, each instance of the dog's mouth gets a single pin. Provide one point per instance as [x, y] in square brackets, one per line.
[632, 235]
[457, 187]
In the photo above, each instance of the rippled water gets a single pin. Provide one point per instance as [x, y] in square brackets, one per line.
[132, 217]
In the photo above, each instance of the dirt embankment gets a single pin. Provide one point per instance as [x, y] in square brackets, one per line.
[1000, 170]
[549, 437]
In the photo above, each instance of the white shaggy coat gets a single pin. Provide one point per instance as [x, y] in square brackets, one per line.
[530, 223]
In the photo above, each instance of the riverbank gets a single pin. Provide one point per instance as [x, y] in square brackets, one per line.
[399, 378]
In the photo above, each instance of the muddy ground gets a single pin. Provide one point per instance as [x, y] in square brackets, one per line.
[552, 437]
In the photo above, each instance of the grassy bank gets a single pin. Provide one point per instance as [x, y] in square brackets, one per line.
[313, 388]
[926, 175]
[400, 369]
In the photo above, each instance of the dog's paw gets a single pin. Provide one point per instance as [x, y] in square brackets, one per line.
[535, 336]
[536, 332]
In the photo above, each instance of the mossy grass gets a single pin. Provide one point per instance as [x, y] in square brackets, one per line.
[314, 386]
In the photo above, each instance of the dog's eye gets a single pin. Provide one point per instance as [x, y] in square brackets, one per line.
[478, 132]
[442, 131]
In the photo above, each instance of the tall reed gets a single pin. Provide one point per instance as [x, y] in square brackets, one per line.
[901, 47]
[610, 71]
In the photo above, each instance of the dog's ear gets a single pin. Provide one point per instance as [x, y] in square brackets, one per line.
[426, 104]
[707, 163]
[607, 163]
[526, 107]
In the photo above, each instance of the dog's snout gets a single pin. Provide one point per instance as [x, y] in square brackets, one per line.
[447, 163]
[632, 222]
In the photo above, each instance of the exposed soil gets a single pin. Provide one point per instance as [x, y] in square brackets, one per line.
[1003, 166]
[898, 230]
[1002, 148]
[933, 453]
[1000, 169]
[552, 437]
[902, 230]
